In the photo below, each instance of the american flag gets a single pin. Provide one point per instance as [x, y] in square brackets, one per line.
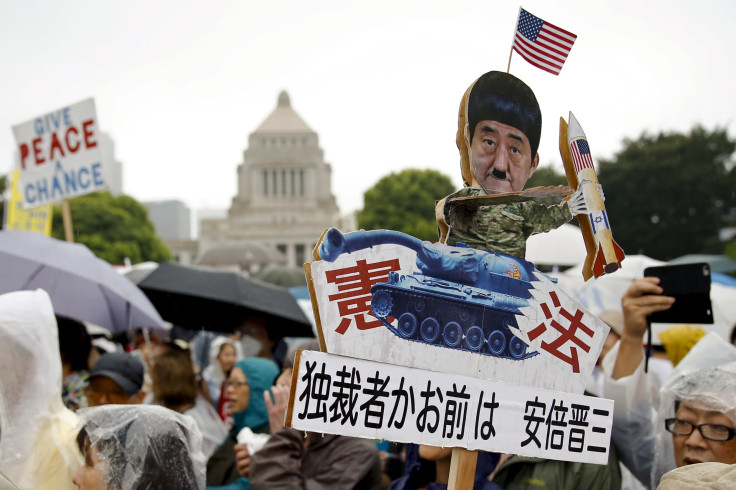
[542, 44]
[581, 155]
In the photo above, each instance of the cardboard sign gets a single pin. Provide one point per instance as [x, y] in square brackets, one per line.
[352, 397]
[486, 315]
[36, 219]
[60, 155]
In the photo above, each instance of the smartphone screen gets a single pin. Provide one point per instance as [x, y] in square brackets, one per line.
[689, 284]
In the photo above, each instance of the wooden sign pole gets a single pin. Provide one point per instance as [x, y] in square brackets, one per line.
[67, 216]
[462, 469]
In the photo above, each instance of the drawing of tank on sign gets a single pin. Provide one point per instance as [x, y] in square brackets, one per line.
[463, 299]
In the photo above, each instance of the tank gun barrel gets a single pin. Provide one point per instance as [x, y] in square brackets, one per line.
[335, 243]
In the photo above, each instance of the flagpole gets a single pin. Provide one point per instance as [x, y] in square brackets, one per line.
[516, 28]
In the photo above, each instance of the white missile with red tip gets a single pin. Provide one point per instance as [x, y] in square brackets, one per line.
[608, 255]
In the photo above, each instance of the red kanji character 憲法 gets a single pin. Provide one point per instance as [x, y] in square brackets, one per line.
[354, 296]
[566, 334]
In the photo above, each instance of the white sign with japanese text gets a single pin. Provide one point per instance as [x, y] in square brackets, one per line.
[60, 155]
[354, 397]
[526, 331]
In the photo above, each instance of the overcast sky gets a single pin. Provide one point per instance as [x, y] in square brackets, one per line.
[180, 85]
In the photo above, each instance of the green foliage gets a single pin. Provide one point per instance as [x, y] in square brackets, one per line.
[730, 249]
[113, 228]
[405, 202]
[668, 195]
[545, 176]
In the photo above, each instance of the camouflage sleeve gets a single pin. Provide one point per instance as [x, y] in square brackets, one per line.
[540, 218]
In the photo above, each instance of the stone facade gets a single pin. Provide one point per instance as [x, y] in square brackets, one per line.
[284, 198]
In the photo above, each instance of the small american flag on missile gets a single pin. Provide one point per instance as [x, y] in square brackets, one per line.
[580, 152]
[542, 44]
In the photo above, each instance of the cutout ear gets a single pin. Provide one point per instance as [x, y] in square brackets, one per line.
[534, 165]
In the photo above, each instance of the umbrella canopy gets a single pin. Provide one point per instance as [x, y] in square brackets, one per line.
[241, 254]
[197, 298]
[560, 246]
[287, 276]
[81, 285]
[718, 263]
[136, 273]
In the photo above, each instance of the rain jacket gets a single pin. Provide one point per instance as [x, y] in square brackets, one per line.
[38, 449]
[145, 447]
[638, 430]
[213, 373]
[222, 468]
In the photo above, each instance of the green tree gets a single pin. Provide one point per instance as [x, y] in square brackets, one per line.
[113, 228]
[405, 202]
[670, 194]
[545, 176]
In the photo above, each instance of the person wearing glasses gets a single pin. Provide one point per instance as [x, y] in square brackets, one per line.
[245, 388]
[696, 417]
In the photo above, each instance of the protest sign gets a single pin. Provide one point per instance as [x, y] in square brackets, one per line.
[360, 398]
[36, 219]
[450, 309]
[60, 156]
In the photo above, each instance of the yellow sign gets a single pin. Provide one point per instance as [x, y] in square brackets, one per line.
[36, 219]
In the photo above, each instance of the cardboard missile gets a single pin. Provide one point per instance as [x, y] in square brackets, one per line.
[604, 255]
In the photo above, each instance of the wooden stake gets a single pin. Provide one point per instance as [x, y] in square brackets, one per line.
[67, 216]
[462, 469]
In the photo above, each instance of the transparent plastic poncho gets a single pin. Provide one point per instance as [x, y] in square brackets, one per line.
[37, 432]
[145, 447]
[705, 379]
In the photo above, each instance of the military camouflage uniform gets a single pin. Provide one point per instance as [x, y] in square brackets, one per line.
[500, 228]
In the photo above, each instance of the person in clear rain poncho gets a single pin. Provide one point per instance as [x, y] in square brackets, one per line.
[695, 420]
[37, 448]
[139, 446]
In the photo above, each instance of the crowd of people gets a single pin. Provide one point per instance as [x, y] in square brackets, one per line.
[112, 434]
[83, 412]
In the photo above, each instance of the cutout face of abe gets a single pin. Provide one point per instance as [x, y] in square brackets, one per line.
[500, 156]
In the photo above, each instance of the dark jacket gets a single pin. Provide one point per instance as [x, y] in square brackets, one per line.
[526, 473]
[328, 462]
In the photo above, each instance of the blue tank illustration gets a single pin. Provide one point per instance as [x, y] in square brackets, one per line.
[463, 298]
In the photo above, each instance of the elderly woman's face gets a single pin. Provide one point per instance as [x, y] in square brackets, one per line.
[238, 390]
[92, 475]
[695, 448]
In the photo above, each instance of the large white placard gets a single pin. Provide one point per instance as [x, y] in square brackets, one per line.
[561, 338]
[60, 155]
[353, 397]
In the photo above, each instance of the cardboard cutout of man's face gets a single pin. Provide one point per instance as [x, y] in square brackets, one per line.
[500, 157]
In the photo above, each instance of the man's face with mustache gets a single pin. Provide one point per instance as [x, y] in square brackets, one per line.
[500, 156]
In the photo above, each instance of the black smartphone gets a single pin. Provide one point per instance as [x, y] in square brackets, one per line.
[689, 284]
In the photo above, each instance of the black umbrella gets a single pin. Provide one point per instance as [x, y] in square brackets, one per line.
[198, 298]
[287, 276]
